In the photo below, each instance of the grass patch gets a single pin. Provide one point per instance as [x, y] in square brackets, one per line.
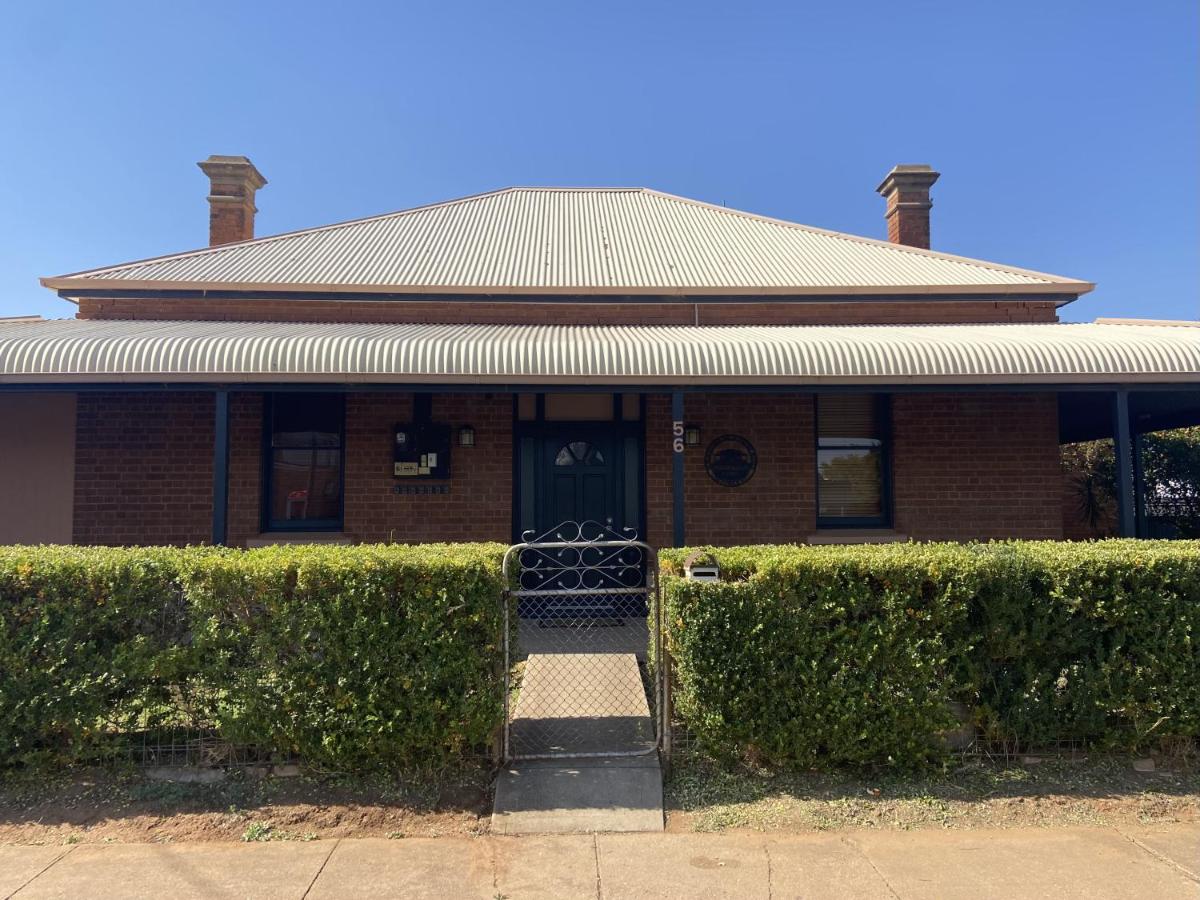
[261, 832]
[702, 795]
[256, 832]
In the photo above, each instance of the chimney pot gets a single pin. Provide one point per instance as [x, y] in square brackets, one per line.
[232, 183]
[906, 190]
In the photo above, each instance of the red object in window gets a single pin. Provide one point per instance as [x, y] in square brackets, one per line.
[294, 499]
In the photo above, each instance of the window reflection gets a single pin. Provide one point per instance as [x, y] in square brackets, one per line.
[581, 453]
[850, 460]
[305, 466]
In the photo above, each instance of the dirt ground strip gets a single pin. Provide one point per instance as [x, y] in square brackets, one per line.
[113, 806]
[125, 807]
[969, 794]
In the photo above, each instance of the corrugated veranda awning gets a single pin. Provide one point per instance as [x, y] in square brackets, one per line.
[105, 351]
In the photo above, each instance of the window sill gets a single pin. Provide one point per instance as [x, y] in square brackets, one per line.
[278, 538]
[856, 536]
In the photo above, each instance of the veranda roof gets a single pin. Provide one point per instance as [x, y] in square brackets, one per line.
[570, 241]
[107, 351]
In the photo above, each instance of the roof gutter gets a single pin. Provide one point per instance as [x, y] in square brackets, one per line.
[75, 288]
[1187, 380]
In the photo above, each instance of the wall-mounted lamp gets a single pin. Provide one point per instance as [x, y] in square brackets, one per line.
[691, 435]
[466, 436]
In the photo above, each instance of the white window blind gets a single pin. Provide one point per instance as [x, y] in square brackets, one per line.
[851, 418]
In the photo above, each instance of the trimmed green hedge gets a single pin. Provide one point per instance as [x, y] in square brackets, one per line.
[1091, 642]
[88, 645]
[389, 656]
[851, 655]
[351, 657]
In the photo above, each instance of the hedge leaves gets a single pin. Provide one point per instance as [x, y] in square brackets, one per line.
[852, 655]
[390, 657]
[351, 657]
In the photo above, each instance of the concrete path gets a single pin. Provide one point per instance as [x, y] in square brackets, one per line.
[1161, 863]
[602, 636]
[580, 703]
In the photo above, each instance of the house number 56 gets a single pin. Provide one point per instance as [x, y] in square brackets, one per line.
[677, 437]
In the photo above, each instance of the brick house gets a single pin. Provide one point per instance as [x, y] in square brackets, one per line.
[493, 365]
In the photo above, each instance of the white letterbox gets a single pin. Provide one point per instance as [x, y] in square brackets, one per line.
[701, 566]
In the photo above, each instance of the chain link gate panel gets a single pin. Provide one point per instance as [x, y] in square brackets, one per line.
[582, 637]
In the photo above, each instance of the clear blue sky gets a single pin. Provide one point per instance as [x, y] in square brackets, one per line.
[1068, 133]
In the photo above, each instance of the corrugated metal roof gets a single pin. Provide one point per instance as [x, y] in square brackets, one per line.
[144, 351]
[570, 241]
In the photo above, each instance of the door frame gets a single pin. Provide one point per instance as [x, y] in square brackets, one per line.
[539, 429]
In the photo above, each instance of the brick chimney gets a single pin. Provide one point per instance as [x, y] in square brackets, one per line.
[906, 190]
[232, 183]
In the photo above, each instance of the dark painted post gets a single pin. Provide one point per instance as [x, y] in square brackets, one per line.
[677, 468]
[220, 467]
[1123, 453]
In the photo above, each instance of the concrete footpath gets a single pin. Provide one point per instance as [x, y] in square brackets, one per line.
[1159, 862]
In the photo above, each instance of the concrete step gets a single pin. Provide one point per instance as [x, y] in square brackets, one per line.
[568, 796]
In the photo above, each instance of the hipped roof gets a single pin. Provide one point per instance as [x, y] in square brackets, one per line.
[570, 241]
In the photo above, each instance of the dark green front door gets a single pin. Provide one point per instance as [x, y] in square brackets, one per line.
[578, 477]
[578, 472]
[588, 474]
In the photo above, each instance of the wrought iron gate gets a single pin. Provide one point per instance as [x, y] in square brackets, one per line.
[583, 641]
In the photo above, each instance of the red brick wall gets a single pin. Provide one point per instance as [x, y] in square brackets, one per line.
[143, 468]
[478, 506]
[964, 466]
[866, 312]
[245, 467]
[976, 466]
[855, 312]
[777, 505]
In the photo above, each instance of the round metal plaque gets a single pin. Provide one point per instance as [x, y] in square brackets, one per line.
[730, 460]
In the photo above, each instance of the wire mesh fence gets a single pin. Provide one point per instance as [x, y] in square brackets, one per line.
[183, 747]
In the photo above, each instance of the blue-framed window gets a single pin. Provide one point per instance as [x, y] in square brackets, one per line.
[303, 462]
[853, 483]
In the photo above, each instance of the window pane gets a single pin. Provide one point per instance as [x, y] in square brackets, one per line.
[850, 457]
[850, 483]
[847, 419]
[305, 460]
[579, 407]
[306, 420]
[305, 484]
[579, 452]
